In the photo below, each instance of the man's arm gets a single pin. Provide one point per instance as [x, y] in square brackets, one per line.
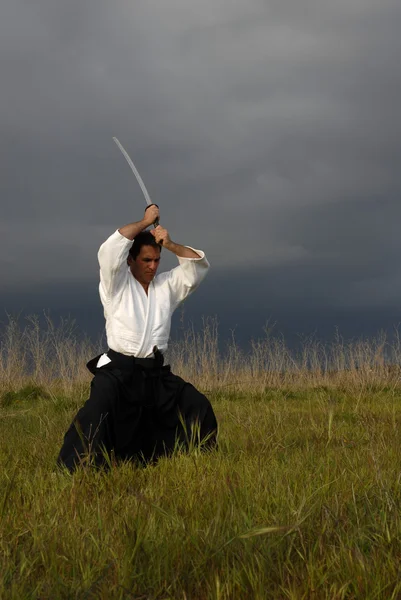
[162, 236]
[192, 268]
[113, 252]
[131, 230]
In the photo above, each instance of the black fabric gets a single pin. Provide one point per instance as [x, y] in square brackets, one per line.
[137, 409]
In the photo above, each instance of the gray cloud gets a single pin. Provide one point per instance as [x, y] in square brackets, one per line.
[269, 134]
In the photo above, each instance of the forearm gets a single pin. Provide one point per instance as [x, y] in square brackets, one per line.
[180, 250]
[131, 230]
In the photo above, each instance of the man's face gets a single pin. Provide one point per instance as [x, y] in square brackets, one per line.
[145, 265]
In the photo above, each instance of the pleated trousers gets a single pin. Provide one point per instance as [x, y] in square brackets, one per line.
[137, 410]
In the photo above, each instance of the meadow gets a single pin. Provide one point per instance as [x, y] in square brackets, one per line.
[301, 500]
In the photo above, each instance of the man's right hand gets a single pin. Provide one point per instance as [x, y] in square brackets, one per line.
[151, 214]
[131, 230]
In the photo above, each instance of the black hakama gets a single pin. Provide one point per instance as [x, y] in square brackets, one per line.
[137, 409]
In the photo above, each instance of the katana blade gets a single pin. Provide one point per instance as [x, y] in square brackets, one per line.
[135, 171]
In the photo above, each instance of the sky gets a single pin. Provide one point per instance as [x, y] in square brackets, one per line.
[268, 131]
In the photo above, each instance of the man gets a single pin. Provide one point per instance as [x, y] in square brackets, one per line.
[137, 408]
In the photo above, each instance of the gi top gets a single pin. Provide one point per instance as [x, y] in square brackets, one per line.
[136, 321]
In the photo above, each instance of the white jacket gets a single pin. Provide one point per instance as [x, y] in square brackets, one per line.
[136, 322]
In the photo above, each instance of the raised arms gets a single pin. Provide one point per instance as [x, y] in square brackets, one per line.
[160, 234]
[131, 230]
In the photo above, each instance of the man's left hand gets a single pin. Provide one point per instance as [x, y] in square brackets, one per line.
[161, 235]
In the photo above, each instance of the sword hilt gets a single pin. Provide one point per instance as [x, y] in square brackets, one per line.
[156, 222]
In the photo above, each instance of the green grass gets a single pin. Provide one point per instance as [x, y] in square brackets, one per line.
[302, 500]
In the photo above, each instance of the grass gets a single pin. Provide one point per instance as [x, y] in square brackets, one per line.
[302, 499]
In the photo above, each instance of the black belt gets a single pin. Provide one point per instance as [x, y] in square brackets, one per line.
[125, 361]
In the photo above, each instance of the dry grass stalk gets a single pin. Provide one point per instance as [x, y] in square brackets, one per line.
[54, 357]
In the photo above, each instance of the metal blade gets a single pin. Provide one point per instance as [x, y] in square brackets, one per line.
[135, 171]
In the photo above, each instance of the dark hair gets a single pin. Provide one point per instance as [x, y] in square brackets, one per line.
[145, 238]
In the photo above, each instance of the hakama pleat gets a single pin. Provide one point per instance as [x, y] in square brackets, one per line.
[137, 410]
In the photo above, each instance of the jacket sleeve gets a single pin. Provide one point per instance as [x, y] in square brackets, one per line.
[112, 258]
[184, 279]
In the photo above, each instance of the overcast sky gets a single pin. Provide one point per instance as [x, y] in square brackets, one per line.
[268, 131]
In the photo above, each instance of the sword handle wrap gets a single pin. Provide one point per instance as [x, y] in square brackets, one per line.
[156, 223]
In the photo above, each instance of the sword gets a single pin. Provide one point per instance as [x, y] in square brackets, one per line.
[138, 177]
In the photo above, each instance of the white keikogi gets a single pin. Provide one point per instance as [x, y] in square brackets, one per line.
[136, 321]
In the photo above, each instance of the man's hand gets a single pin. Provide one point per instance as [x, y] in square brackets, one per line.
[161, 236]
[131, 230]
[151, 214]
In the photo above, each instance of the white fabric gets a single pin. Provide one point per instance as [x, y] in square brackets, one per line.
[136, 322]
[103, 360]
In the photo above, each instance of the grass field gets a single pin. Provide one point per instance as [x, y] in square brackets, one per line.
[302, 499]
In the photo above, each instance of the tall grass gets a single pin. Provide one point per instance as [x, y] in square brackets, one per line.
[302, 499]
[54, 356]
[43, 353]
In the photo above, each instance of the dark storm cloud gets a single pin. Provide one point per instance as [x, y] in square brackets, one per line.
[268, 132]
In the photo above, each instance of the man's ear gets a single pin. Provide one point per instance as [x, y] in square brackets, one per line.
[129, 260]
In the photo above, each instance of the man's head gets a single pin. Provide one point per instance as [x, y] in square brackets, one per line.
[144, 257]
